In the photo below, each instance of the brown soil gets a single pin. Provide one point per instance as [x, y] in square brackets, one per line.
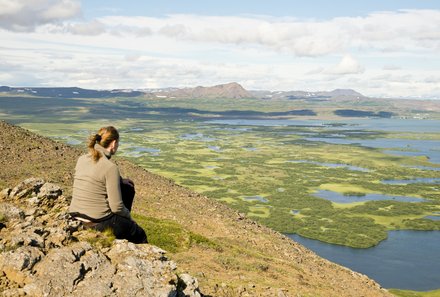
[253, 261]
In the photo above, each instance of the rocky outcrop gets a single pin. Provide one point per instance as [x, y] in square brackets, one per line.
[43, 252]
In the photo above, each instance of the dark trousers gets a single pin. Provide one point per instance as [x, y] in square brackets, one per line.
[124, 228]
[128, 193]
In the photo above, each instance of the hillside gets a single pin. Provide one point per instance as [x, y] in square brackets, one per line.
[229, 254]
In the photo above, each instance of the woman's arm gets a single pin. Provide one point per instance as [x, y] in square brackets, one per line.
[112, 183]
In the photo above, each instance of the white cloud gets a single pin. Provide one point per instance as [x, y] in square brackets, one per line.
[348, 65]
[59, 9]
[382, 31]
[93, 28]
[10, 7]
[25, 16]
[188, 50]
[433, 79]
[391, 67]
[173, 30]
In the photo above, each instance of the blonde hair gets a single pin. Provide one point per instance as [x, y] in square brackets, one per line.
[104, 137]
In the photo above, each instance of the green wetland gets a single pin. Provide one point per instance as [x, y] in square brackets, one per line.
[339, 186]
[283, 173]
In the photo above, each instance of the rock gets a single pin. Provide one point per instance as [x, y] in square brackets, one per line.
[39, 255]
[76, 270]
[50, 191]
[10, 211]
[17, 264]
[188, 285]
[4, 194]
[14, 292]
[57, 238]
[28, 237]
[27, 187]
[140, 268]
[34, 201]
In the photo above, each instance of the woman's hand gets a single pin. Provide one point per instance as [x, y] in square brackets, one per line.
[127, 181]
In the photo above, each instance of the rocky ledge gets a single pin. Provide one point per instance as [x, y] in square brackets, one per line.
[43, 252]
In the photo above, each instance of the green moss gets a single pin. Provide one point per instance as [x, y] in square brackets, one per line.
[171, 236]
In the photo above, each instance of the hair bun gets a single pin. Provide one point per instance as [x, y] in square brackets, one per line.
[98, 137]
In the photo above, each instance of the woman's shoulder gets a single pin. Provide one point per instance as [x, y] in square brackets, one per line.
[103, 162]
[106, 163]
[83, 159]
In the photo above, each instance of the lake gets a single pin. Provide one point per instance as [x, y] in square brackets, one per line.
[405, 147]
[396, 125]
[341, 198]
[407, 260]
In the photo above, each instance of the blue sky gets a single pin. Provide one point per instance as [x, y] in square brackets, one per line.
[388, 48]
[319, 9]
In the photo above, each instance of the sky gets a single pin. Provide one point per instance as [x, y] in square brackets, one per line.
[387, 48]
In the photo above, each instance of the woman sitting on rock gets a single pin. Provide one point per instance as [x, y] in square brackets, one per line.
[101, 198]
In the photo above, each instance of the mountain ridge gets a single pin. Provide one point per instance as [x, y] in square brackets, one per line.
[231, 90]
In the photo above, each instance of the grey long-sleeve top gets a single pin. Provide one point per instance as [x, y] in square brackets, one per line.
[96, 187]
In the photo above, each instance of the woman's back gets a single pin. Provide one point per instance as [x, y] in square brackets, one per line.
[97, 198]
[89, 187]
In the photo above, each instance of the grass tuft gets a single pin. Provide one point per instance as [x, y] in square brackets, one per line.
[99, 239]
[171, 236]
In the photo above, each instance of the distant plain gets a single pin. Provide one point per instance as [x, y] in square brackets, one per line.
[274, 172]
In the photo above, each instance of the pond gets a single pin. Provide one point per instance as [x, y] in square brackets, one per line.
[256, 198]
[197, 136]
[403, 147]
[136, 151]
[215, 148]
[69, 140]
[331, 165]
[433, 218]
[407, 260]
[421, 180]
[341, 198]
[426, 168]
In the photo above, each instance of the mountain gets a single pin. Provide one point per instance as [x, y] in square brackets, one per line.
[226, 253]
[231, 90]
